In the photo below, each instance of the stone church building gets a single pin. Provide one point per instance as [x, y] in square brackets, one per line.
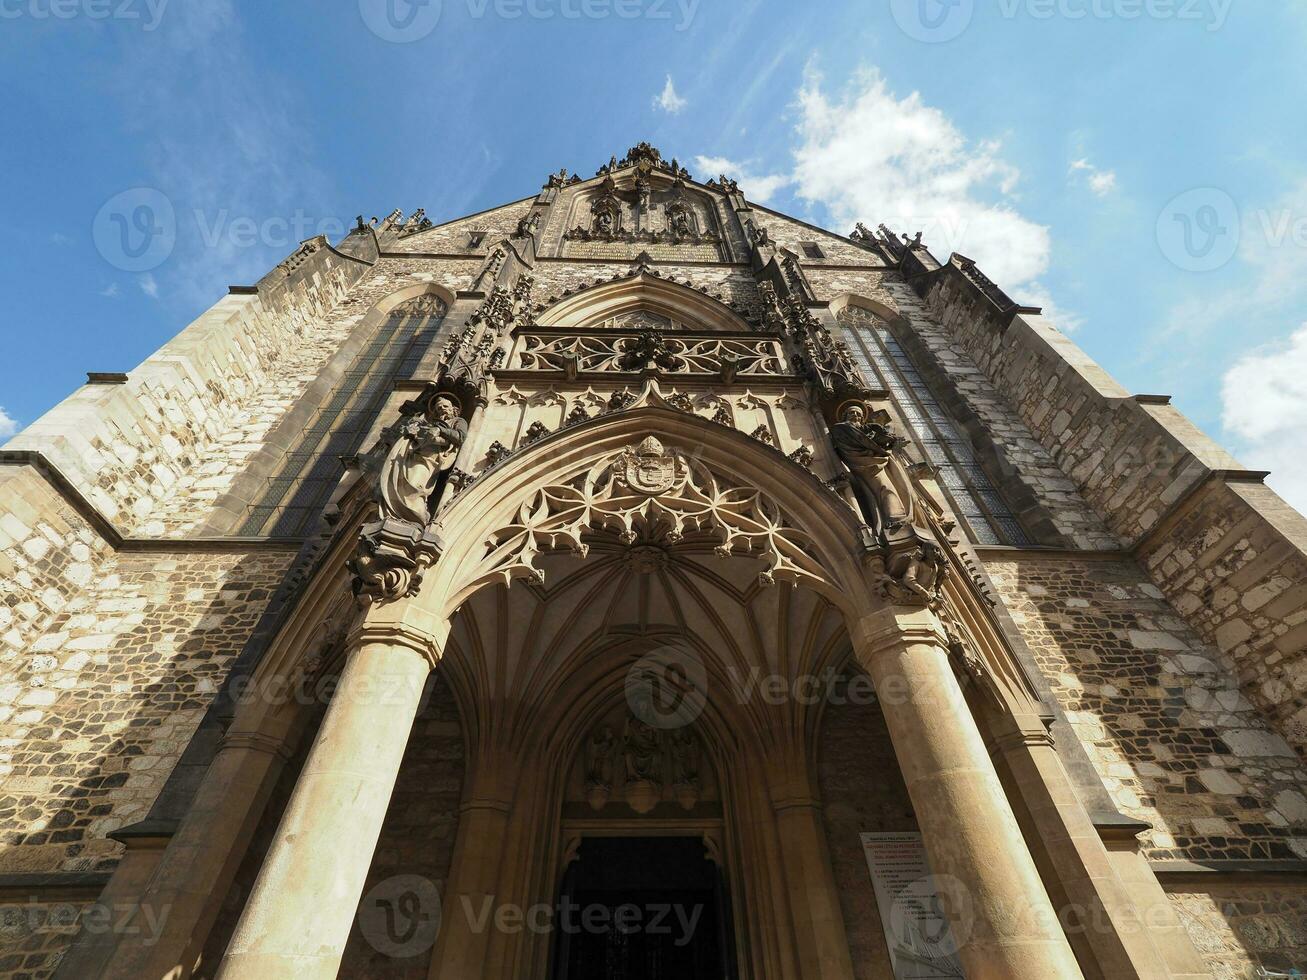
[634, 582]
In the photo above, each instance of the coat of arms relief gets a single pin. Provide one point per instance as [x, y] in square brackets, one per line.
[650, 470]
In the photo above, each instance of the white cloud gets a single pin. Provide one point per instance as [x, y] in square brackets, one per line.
[149, 286]
[111, 291]
[756, 187]
[1101, 182]
[8, 426]
[668, 100]
[1264, 402]
[1034, 294]
[1266, 284]
[870, 156]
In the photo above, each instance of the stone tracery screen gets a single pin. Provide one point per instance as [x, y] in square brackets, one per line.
[978, 502]
[605, 352]
[299, 489]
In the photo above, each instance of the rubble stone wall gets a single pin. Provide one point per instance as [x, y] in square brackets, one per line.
[1226, 550]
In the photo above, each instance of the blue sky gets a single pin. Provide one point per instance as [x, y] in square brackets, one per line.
[1138, 166]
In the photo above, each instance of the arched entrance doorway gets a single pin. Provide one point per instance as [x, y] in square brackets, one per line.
[633, 683]
[557, 575]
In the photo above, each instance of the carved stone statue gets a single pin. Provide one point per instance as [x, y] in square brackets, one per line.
[917, 573]
[424, 451]
[642, 751]
[865, 448]
[678, 221]
[685, 757]
[526, 227]
[599, 752]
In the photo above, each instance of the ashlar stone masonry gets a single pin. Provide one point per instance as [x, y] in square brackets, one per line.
[496, 467]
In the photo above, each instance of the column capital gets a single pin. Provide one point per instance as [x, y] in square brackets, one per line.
[1024, 738]
[427, 645]
[893, 627]
[256, 742]
[796, 803]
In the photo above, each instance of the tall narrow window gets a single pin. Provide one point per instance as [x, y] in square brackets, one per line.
[300, 487]
[975, 498]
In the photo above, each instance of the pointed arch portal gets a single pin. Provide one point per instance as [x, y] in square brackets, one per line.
[623, 590]
[600, 621]
[604, 607]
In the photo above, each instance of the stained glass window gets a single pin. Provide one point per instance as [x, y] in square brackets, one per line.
[976, 500]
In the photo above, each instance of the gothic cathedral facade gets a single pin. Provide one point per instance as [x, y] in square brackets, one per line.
[632, 581]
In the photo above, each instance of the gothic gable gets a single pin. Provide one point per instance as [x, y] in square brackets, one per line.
[624, 300]
[798, 237]
[472, 235]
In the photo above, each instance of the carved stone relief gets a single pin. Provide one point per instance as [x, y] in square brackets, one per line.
[647, 206]
[650, 494]
[613, 350]
[627, 761]
[792, 425]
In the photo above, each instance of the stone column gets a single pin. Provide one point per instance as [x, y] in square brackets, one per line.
[461, 947]
[998, 909]
[187, 889]
[298, 916]
[823, 944]
[94, 947]
[1115, 923]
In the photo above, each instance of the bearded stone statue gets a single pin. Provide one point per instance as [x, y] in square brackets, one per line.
[865, 448]
[423, 453]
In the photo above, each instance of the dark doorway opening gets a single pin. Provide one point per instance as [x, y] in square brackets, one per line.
[643, 908]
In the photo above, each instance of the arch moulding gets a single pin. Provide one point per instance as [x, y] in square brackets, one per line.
[753, 500]
[642, 291]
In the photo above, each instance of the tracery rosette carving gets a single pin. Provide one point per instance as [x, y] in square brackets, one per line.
[611, 351]
[649, 347]
[648, 493]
